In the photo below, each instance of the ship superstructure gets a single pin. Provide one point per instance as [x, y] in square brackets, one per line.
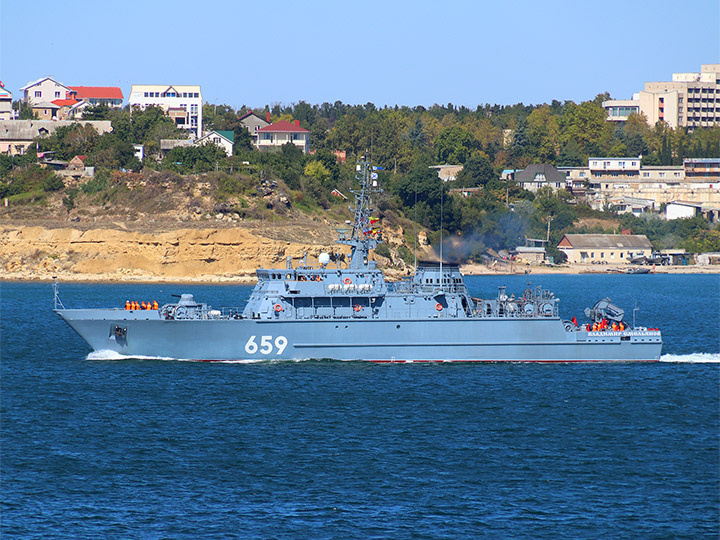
[346, 310]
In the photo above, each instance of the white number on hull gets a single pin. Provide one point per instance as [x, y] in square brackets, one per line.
[266, 344]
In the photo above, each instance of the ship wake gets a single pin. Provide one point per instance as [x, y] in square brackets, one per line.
[106, 354]
[693, 358]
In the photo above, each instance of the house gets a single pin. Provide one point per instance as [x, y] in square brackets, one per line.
[604, 248]
[540, 175]
[44, 91]
[223, 139]
[6, 110]
[45, 111]
[705, 259]
[17, 135]
[65, 106]
[168, 144]
[629, 205]
[680, 210]
[447, 173]
[111, 96]
[77, 163]
[182, 103]
[530, 254]
[283, 132]
[684, 209]
[252, 122]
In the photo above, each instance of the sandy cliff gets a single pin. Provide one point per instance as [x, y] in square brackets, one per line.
[106, 254]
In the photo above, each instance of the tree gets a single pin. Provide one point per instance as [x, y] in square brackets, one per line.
[477, 171]
[454, 145]
[316, 169]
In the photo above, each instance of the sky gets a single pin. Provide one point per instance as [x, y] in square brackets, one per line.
[392, 52]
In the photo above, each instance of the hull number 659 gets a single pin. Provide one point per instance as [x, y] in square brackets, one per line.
[266, 345]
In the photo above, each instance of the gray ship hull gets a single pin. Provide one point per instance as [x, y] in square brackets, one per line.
[401, 340]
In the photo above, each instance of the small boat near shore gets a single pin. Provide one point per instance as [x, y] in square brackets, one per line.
[638, 270]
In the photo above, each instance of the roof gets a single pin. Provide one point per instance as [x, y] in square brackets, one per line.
[283, 126]
[45, 105]
[26, 130]
[33, 83]
[685, 203]
[229, 135]
[529, 173]
[600, 241]
[97, 92]
[248, 114]
[64, 102]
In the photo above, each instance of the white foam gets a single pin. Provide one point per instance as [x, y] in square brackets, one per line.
[107, 354]
[693, 358]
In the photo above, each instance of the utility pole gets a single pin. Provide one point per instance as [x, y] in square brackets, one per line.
[550, 218]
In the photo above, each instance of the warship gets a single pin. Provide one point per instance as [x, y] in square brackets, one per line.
[344, 309]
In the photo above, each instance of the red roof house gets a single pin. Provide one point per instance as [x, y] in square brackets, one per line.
[283, 132]
[111, 96]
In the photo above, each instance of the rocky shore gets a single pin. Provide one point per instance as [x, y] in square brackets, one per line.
[201, 255]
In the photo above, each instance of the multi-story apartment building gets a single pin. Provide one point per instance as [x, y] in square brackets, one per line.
[182, 103]
[624, 182]
[690, 100]
[629, 186]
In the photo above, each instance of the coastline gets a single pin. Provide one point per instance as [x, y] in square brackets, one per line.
[208, 255]
[249, 278]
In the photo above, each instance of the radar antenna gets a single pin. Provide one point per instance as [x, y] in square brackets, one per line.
[364, 236]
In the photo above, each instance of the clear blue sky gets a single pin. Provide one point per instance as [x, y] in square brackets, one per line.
[421, 52]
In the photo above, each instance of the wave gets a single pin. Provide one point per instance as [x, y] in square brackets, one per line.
[107, 354]
[692, 358]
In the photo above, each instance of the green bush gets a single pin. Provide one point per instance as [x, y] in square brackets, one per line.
[35, 196]
[406, 255]
[383, 250]
[51, 183]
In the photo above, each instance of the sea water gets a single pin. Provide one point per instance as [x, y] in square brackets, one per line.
[95, 447]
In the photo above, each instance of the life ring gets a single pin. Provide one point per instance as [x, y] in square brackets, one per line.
[357, 307]
[347, 281]
[278, 308]
[438, 306]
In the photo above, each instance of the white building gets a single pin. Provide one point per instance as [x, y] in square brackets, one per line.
[689, 100]
[223, 139]
[6, 110]
[283, 132]
[44, 90]
[182, 103]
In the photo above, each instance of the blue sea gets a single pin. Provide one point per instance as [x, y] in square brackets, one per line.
[92, 447]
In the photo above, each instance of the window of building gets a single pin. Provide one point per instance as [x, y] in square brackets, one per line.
[38, 93]
[621, 254]
[602, 254]
[677, 175]
[57, 94]
[582, 175]
[634, 163]
[661, 175]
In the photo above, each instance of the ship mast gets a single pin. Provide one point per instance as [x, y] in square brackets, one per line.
[363, 237]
